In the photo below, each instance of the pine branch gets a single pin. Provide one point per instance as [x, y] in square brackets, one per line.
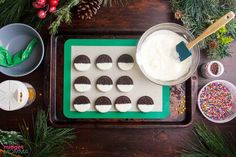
[209, 143]
[109, 3]
[197, 15]
[11, 10]
[62, 15]
[46, 140]
[2, 1]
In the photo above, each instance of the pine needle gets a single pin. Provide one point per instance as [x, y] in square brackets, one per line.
[197, 15]
[209, 143]
[109, 3]
[11, 11]
[2, 1]
[62, 15]
[46, 141]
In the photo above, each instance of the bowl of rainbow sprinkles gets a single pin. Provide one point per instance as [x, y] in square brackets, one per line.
[217, 101]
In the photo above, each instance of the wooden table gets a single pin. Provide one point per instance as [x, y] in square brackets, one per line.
[137, 17]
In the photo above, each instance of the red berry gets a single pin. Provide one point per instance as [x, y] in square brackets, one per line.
[52, 9]
[36, 5]
[41, 2]
[53, 3]
[42, 14]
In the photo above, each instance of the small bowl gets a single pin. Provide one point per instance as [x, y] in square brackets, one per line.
[15, 37]
[182, 31]
[232, 90]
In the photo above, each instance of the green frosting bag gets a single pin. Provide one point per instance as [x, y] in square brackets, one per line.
[7, 60]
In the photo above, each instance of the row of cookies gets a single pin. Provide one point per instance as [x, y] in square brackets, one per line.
[103, 62]
[122, 104]
[104, 84]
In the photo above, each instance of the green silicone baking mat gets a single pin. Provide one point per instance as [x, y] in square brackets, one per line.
[92, 48]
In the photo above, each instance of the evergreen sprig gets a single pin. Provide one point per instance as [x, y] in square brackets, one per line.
[109, 3]
[11, 11]
[197, 15]
[46, 141]
[63, 15]
[209, 143]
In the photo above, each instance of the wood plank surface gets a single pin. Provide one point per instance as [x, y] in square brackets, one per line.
[136, 17]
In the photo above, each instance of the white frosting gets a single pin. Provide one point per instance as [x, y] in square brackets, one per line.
[123, 107]
[82, 66]
[82, 107]
[82, 87]
[125, 66]
[145, 108]
[104, 88]
[159, 57]
[125, 88]
[104, 66]
[103, 108]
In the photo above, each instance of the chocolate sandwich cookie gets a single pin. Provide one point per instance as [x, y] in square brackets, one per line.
[82, 84]
[145, 104]
[82, 63]
[103, 104]
[104, 62]
[104, 83]
[125, 62]
[125, 84]
[82, 104]
[123, 104]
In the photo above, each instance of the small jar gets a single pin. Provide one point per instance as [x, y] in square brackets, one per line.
[15, 95]
[212, 69]
[32, 94]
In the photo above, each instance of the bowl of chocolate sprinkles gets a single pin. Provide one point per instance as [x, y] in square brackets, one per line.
[217, 101]
[216, 68]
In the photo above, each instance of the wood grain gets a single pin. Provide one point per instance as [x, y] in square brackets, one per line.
[137, 17]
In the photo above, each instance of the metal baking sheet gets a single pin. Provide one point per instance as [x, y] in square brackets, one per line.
[182, 97]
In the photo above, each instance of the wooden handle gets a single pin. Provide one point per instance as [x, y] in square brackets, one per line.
[212, 28]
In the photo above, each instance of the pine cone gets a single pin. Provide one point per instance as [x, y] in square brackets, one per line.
[212, 45]
[178, 14]
[86, 9]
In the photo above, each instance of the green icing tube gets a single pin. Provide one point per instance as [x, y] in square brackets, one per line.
[7, 60]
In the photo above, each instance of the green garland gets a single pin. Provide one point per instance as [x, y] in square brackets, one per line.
[209, 143]
[197, 15]
[9, 137]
